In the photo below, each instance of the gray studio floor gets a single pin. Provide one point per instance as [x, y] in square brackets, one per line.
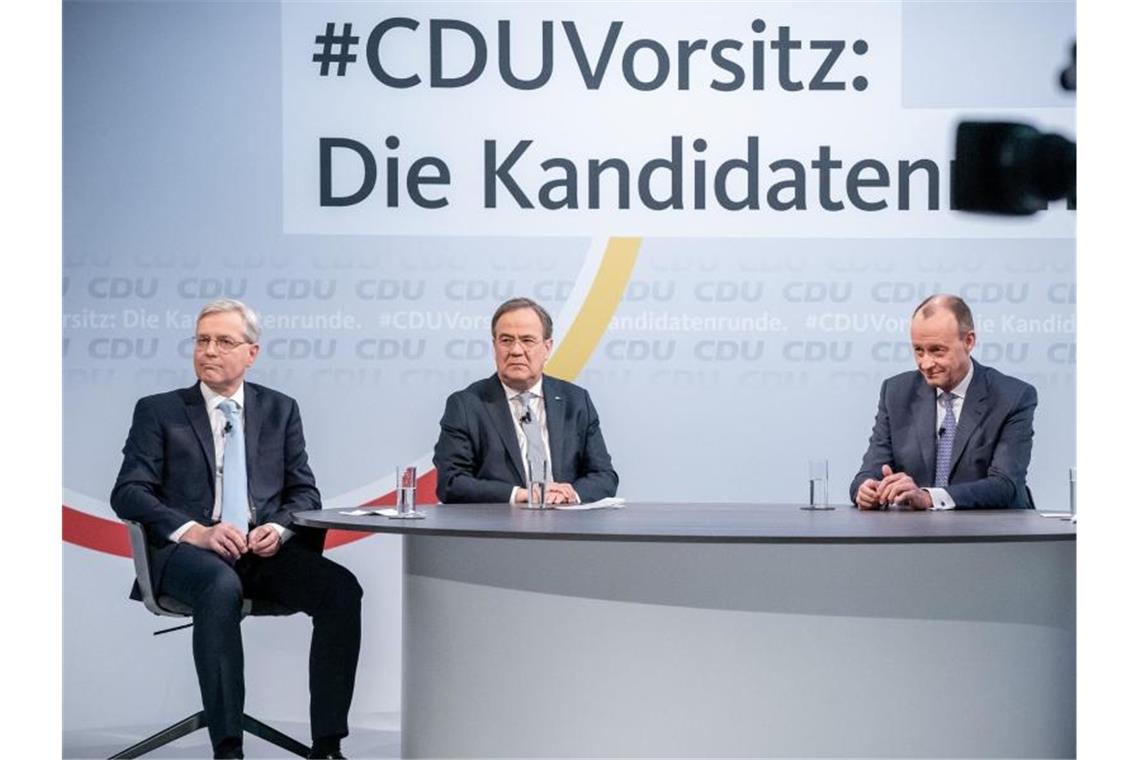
[376, 735]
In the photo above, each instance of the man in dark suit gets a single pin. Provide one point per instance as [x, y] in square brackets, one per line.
[518, 422]
[214, 473]
[954, 433]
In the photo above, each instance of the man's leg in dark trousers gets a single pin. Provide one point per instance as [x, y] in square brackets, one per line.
[303, 580]
[212, 588]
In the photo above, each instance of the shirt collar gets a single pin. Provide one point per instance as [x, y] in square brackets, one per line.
[959, 390]
[214, 399]
[512, 394]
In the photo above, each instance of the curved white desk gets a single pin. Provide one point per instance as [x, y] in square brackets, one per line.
[735, 630]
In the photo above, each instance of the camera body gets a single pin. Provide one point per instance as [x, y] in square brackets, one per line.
[1014, 169]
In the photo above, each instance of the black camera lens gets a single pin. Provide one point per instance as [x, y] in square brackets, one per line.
[1009, 168]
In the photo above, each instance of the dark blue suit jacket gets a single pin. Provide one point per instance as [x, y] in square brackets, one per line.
[992, 445]
[167, 477]
[477, 457]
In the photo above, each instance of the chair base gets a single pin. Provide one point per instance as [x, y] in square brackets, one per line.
[198, 720]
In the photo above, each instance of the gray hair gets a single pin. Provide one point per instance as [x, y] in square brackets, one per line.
[953, 304]
[515, 304]
[250, 321]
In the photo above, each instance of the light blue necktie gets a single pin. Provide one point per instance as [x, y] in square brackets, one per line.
[535, 450]
[945, 443]
[235, 491]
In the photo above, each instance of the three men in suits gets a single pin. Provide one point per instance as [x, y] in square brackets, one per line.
[214, 473]
[954, 433]
[498, 431]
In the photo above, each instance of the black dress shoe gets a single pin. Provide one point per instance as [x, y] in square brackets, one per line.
[326, 748]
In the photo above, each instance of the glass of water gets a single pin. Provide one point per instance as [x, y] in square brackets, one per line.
[406, 490]
[817, 485]
[1073, 493]
[536, 489]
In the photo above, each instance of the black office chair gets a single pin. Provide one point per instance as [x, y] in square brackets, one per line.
[166, 606]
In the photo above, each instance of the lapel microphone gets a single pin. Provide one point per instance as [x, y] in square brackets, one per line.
[228, 428]
[525, 419]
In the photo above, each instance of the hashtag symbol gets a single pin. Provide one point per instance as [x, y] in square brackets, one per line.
[810, 321]
[385, 319]
[328, 41]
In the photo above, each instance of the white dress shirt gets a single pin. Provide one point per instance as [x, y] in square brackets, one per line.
[518, 411]
[939, 496]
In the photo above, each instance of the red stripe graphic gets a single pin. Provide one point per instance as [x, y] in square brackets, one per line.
[93, 532]
[110, 536]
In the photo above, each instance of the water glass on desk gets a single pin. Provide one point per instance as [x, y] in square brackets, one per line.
[1073, 494]
[817, 485]
[536, 490]
[406, 491]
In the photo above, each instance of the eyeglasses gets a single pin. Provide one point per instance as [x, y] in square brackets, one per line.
[224, 343]
[507, 342]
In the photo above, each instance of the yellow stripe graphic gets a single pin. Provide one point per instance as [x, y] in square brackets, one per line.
[574, 350]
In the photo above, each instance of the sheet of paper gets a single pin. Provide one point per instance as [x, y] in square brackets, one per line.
[613, 502]
[385, 512]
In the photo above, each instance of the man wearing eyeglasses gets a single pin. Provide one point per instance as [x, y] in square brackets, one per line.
[214, 473]
[518, 423]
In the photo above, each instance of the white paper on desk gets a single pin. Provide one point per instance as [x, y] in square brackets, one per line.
[612, 502]
[386, 512]
[1056, 514]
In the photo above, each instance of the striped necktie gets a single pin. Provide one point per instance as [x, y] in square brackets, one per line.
[945, 442]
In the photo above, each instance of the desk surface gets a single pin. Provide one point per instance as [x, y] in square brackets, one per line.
[710, 523]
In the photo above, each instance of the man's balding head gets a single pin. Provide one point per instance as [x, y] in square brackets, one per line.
[942, 336]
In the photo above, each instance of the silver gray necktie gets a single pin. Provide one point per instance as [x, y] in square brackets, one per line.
[535, 450]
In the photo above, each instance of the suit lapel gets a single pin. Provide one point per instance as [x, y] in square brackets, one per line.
[555, 417]
[200, 420]
[252, 424]
[925, 414]
[973, 409]
[498, 409]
